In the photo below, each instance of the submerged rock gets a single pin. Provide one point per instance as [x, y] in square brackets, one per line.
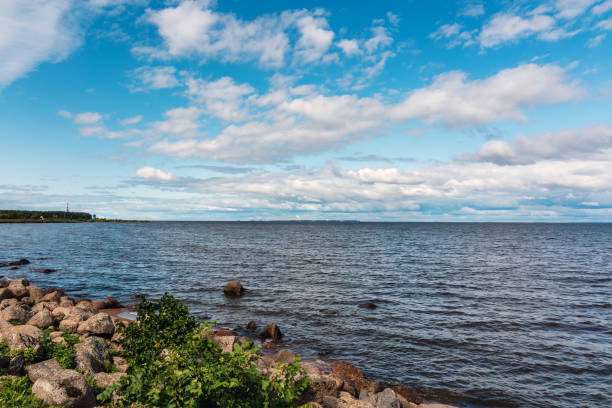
[20, 262]
[368, 305]
[233, 288]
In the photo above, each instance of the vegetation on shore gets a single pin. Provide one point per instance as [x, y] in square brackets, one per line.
[24, 216]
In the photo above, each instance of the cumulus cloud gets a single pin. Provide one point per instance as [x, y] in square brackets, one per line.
[315, 38]
[222, 98]
[181, 122]
[155, 77]
[592, 143]
[87, 118]
[151, 173]
[506, 27]
[349, 47]
[454, 100]
[32, 32]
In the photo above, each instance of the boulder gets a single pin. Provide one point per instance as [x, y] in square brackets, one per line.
[70, 324]
[225, 342]
[107, 379]
[42, 319]
[6, 294]
[91, 355]
[285, 356]
[44, 305]
[20, 282]
[52, 297]
[15, 313]
[322, 385]
[4, 361]
[100, 325]
[23, 337]
[16, 366]
[18, 289]
[28, 301]
[409, 393]
[349, 372]
[386, 399]
[35, 292]
[59, 313]
[20, 262]
[265, 366]
[233, 288]
[98, 304]
[43, 369]
[251, 325]
[65, 388]
[345, 400]
[271, 331]
[112, 303]
[66, 302]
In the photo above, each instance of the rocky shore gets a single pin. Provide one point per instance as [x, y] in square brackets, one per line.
[70, 349]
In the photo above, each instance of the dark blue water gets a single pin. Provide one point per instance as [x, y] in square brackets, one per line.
[502, 314]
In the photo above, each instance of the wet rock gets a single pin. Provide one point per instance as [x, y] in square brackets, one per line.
[324, 353]
[35, 292]
[45, 270]
[368, 305]
[43, 369]
[65, 388]
[225, 342]
[100, 325]
[92, 354]
[98, 304]
[15, 313]
[285, 356]
[20, 262]
[349, 372]
[16, 366]
[42, 319]
[251, 325]
[52, 289]
[107, 379]
[409, 393]
[233, 288]
[272, 332]
[112, 303]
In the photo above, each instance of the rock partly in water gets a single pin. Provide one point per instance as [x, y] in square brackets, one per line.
[368, 305]
[20, 262]
[272, 332]
[251, 325]
[233, 288]
[349, 372]
[35, 292]
[409, 393]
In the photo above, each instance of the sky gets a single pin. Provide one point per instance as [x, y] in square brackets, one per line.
[374, 111]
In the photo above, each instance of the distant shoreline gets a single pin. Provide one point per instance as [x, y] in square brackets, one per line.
[28, 221]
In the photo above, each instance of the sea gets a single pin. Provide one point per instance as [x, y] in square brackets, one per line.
[473, 314]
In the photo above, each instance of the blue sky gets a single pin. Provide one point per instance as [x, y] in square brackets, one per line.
[241, 110]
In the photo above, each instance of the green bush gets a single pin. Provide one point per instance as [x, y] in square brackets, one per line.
[174, 363]
[17, 392]
[64, 353]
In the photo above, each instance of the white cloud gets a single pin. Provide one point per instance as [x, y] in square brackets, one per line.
[349, 47]
[473, 10]
[394, 19]
[569, 9]
[156, 77]
[150, 173]
[590, 143]
[605, 24]
[315, 38]
[87, 118]
[181, 123]
[33, 32]
[602, 8]
[222, 98]
[380, 39]
[595, 41]
[508, 27]
[454, 100]
[131, 121]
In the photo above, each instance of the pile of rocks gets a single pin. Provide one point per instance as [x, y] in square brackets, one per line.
[25, 310]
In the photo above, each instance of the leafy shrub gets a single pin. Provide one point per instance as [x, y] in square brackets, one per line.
[174, 363]
[17, 392]
[64, 353]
